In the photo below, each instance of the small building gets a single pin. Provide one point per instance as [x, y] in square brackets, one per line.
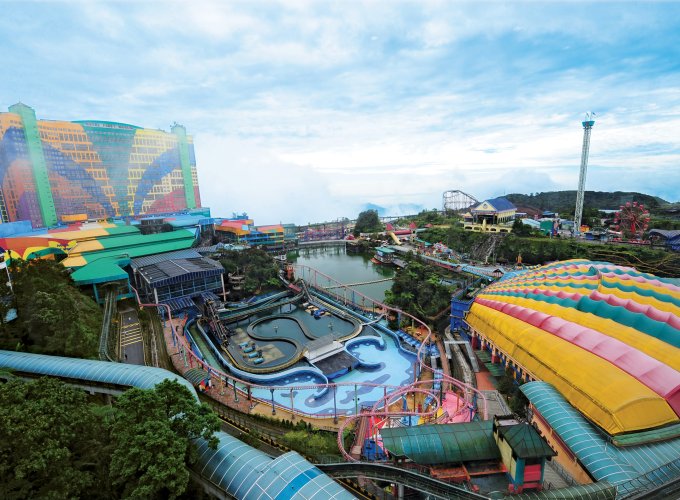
[670, 239]
[451, 452]
[384, 255]
[486, 452]
[493, 211]
[524, 452]
[243, 231]
[494, 215]
[163, 277]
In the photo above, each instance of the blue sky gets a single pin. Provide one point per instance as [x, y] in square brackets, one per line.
[306, 110]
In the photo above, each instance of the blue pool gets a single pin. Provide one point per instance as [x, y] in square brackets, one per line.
[394, 368]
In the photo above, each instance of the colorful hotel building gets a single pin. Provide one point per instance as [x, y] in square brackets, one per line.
[54, 172]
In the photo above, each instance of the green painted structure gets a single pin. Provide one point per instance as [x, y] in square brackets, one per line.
[181, 134]
[444, 443]
[35, 152]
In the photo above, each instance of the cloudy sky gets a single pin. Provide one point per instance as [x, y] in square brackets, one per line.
[306, 110]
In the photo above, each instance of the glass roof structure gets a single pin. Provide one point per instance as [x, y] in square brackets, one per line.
[629, 468]
[144, 377]
[247, 473]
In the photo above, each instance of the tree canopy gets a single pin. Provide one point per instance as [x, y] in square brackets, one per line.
[49, 441]
[417, 289]
[257, 266]
[152, 434]
[54, 317]
[368, 221]
[54, 443]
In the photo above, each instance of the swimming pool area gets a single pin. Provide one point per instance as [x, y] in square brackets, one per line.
[393, 367]
[281, 335]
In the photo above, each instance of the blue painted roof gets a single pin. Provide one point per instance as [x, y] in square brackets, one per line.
[629, 468]
[501, 204]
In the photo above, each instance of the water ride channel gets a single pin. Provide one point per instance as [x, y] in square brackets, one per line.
[321, 349]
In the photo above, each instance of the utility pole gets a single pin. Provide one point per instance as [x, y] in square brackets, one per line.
[587, 127]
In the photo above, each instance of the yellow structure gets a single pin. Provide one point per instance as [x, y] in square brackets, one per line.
[606, 337]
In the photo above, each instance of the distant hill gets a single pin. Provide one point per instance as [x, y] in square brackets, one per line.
[565, 201]
[398, 209]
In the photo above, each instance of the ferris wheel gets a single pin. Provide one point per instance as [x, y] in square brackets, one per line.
[632, 220]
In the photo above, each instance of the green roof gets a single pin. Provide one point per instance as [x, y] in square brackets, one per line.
[442, 444]
[384, 250]
[116, 230]
[101, 271]
[105, 265]
[525, 441]
[133, 240]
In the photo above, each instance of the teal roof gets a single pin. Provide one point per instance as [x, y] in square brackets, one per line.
[105, 265]
[631, 468]
[442, 444]
[144, 377]
[384, 250]
[525, 441]
[119, 229]
[101, 271]
[135, 240]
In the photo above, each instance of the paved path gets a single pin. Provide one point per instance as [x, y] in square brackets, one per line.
[131, 343]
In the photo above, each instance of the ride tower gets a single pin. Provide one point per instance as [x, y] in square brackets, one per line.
[580, 194]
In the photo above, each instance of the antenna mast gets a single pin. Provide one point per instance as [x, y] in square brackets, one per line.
[587, 127]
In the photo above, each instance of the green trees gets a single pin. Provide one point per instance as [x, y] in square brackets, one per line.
[258, 267]
[54, 317]
[417, 290]
[49, 441]
[368, 221]
[55, 444]
[152, 433]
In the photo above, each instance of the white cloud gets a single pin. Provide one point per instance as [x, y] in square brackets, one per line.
[310, 109]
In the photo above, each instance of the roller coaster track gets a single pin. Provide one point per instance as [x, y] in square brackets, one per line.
[359, 284]
[426, 484]
[395, 391]
[355, 468]
[244, 313]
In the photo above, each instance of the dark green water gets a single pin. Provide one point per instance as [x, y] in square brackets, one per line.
[347, 268]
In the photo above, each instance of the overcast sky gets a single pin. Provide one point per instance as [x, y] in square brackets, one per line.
[306, 110]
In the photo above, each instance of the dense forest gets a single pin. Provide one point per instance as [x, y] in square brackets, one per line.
[55, 443]
[564, 201]
[418, 290]
[54, 317]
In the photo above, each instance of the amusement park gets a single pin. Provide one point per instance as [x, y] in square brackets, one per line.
[485, 349]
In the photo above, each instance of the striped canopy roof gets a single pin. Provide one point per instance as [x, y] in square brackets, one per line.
[606, 337]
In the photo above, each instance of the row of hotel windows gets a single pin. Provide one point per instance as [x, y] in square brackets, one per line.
[54, 136]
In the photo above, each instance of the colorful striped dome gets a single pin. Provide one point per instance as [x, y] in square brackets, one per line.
[606, 337]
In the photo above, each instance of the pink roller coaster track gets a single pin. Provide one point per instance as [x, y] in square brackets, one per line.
[376, 411]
